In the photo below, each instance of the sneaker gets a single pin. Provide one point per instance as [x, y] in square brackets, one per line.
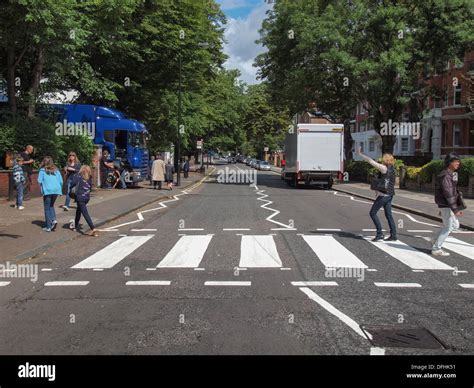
[377, 238]
[391, 238]
[20, 207]
[439, 252]
[55, 223]
[47, 229]
[72, 225]
[65, 208]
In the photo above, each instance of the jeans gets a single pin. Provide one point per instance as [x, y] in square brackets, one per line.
[19, 194]
[386, 202]
[49, 213]
[68, 198]
[450, 223]
[82, 210]
[122, 179]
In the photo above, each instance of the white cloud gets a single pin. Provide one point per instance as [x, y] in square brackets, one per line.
[241, 34]
[232, 4]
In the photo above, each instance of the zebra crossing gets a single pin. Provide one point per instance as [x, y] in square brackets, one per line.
[260, 251]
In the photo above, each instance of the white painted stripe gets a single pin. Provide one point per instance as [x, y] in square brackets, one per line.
[313, 284]
[187, 252]
[420, 231]
[228, 283]
[331, 309]
[113, 253]
[283, 229]
[285, 269]
[371, 270]
[227, 229]
[461, 271]
[409, 255]
[148, 283]
[46, 269]
[377, 351]
[185, 229]
[372, 230]
[67, 283]
[467, 285]
[328, 230]
[151, 269]
[144, 230]
[460, 247]
[98, 269]
[332, 253]
[199, 269]
[401, 285]
[259, 252]
[3, 284]
[417, 270]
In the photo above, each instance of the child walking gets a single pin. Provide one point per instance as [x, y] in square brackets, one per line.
[19, 181]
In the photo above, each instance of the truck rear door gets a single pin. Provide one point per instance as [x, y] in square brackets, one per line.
[320, 151]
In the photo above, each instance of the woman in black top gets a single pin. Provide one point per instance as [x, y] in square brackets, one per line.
[72, 168]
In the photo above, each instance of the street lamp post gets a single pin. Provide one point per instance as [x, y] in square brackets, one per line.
[178, 145]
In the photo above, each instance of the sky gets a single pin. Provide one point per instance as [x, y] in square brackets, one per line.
[244, 19]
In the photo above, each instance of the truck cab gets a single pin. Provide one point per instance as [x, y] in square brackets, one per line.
[124, 138]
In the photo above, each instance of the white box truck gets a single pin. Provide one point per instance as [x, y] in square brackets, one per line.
[314, 153]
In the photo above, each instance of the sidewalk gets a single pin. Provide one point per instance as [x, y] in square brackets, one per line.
[21, 234]
[411, 201]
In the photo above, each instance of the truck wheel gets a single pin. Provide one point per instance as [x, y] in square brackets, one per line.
[330, 183]
[295, 182]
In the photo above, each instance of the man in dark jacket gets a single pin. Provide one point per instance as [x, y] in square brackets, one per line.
[447, 199]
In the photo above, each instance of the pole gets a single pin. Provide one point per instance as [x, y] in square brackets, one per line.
[178, 146]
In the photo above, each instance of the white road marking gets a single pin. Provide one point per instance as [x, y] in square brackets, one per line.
[460, 247]
[227, 229]
[398, 285]
[276, 212]
[188, 229]
[409, 255]
[417, 270]
[46, 269]
[371, 270]
[113, 253]
[372, 230]
[186, 253]
[377, 351]
[313, 284]
[98, 269]
[144, 230]
[259, 252]
[199, 269]
[328, 230]
[283, 229]
[332, 253]
[419, 231]
[285, 269]
[467, 285]
[334, 311]
[227, 283]
[148, 283]
[67, 283]
[3, 284]
[151, 269]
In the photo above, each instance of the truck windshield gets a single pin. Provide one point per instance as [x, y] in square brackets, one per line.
[136, 139]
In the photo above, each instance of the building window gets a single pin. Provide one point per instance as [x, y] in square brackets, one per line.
[456, 135]
[446, 96]
[371, 146]
[457, 95]
[445, 135]
[404, 144]
[361, 145]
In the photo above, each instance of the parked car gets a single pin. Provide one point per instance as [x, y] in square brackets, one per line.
[264, 166]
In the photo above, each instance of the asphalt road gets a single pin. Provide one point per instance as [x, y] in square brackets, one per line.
[223, 260]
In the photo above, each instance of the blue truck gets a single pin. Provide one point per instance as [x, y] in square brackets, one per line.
[124, 138]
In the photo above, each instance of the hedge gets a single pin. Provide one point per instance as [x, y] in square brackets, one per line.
[436, 166]
[360, 170]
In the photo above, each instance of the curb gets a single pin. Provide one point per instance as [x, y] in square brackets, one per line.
[34, 252]
[400, 207]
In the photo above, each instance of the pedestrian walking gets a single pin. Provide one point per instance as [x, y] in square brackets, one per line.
[73, 165]
[27, 166]
[158, 172]
[82, 182]
[186, 168]
[150, 165]
[169, 171]
[384, 186]
[19, 181]
[51, 183]
[449, 201]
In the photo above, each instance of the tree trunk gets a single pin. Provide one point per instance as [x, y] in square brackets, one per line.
[35, 82]
[348, 141]
[11, 91]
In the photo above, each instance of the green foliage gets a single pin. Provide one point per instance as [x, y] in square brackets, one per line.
[83, 146]
[358, 170]
[434, 167]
